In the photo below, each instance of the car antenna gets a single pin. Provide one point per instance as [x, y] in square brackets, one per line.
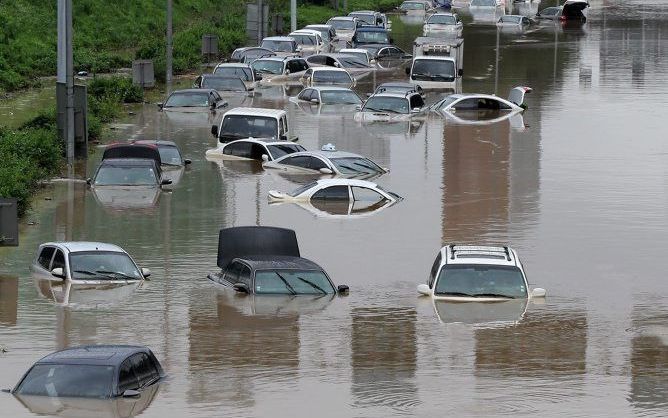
[452, 251]
[505, 249]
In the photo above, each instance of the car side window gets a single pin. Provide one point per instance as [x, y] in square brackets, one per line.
[144, 369]
[240, 149]
[416, 101]
[298, 161]
[466, 104]
[366, 195]
[245, 276]
[257, 150]
[45, 257]
[285, 123]
[301, 65]
[434, 270]
[305, 95]
[316, 59]
[317, 164]
[59, 261]
[332, 193]
[126, 377]
[232, 272]
[384, 52]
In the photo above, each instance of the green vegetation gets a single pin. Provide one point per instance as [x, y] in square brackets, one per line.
[109, 35]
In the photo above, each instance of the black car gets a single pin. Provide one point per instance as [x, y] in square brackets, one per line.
[93, 371]
[266, 261]
[370, 35]
[170, 155]
[128, 172]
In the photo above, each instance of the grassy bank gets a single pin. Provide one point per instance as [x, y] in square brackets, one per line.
[109, 35]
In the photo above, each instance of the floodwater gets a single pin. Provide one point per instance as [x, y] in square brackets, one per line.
[581, 191]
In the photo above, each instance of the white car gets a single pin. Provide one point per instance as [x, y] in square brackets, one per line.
[345, 26]
[327, 161]
[328, 33]
[483, 102]
[470, 273]
[279, 69]
[337, 190]
[327, 76]
[282, 46]
[86, 263]
[310, 41]
[327, 95]
[253, 149]
[440, 24]
[361, 54]
[391, 107]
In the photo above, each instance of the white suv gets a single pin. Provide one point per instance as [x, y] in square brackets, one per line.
[478, 274]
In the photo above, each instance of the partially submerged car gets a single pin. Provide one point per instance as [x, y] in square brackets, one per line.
[282, 46]
[92, 371]
[247, 55]
[398, 87]
[128, 172]
[328, 34]
[469, 273]
[435, 72]
[337, 190]
[361, 54]
[238, 70]
[280, 69]
[327, 161]
[483, 102]
[390, 106]
[514, 21]
[571, 10]
[310, 41]
[370, 35]
[350, 63]
[371, 18]
[415, 7]
[345, 26]
[223, 85]
[254, 149]
[332, 76]
[327, 95]
[261, 260]
[193, 100]
[440, 24]
[86, 263]
[170, 154]
[253, 122]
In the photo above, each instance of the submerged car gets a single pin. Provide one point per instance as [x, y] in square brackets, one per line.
[261, 260]
[238, 70]
[253, 122]
[371, 18]
[92, 371]
[170, 154]
[254, 149]
[282, 46]
[328, 34]
[361, 54]
[344, 26]
[319, 76]
[440, 24]
[277, 69]
[327, 95]
[193, 100]
[370, 35]
[391, 106]
[571, 10]
[514, 21]
[128, 172]
[327, 161]
[247, 55]
[398, 87]
[310, 41]
[478, 274]
[338, 190]
[415, 6]
[483, 102]
[222, 84]
[352, 64]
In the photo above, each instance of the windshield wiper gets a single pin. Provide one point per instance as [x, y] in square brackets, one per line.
[313, 285]
[117, 273]
[457, 294]
[90, 273]
[373, 170]
[285, 282]
[492, 295]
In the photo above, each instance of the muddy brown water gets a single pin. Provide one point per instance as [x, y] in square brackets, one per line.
[580, 190]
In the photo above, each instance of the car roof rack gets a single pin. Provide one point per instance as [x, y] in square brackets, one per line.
[482, 251]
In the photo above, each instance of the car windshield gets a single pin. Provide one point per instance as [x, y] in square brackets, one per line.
[442, 20]
[331, 77]
[324, 32]
[435, 70]
[71, 380]
[246, 126]
[339, 97]
[223, 84]
[268, 66]
[170, 155]
[386, 104]
[486, 3]
[191, 99]
[447, 102]
[409, 5]
[359, 55]
[292, 282]
[352, 62]
[278, 46]
[510, 19]
[302, 189]
[355, 165]
[372, 37]
[342, 24]
[367, 18]
[303, 39]
[110, 175]
[394, 89]
[281, 150]
[476, 280]
[257, 53]
[105, 265]
[243, 73]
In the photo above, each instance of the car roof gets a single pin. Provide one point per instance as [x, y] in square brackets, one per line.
[77, 246]
[346, 182]
[157, 142]
[278, 38]
[190, 91]
[104, 355]
[235, 64]
[125, 162]
[306, 32]
[433, 58]
[362, 11]
[476, 254]
[393, 94]
[398, 84]
[344, 50]
[370, 28]
[336, 88]
[324, 26]
[275, 58]
[343, 18]
[271, 262]
[255, 111]
[327, 68]
[263, 141]
[326, 154]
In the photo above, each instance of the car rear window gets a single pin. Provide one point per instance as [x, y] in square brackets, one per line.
[77, 381]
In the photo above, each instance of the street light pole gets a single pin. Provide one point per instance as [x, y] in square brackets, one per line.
[66, 76]
[168, 63]
[293, 15]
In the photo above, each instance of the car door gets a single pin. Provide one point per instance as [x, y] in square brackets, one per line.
[298, 164]
[44, 260]
[239, 149]
[127, 380]
[305, 95]
[366, 200]
[144, 369]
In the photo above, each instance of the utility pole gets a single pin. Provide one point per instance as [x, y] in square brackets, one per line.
[168, 63]
[66, 76]
[293, 15]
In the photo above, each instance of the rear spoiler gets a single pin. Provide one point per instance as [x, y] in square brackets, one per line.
[517, 94]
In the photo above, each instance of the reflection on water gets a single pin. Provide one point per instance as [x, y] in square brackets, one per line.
[578, 188]
[76, 295]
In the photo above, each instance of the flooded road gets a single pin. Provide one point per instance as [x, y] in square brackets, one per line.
[580, 189]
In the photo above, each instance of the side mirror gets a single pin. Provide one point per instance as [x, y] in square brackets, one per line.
[416, 110]
[538, 292]
[58, 272]
[131, 393]
[283, 137]
[161, 105]
[460, 72]
[145, 272]
[187, 161]
[342, 289]
[265, 158]
[165, 182]
[89, 181]
[316, 101]
[242, 288]
[424, 290]
[214, 131]
[287, 72]
[326, 170]
[408, 71]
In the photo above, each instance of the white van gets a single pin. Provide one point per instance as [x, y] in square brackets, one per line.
[247, 122]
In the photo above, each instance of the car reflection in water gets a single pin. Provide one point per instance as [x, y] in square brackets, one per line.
[78, 295]
[489, 117]
[237, 168]
[120, 198]
[86, 407]
[341, 210]
[483, 314]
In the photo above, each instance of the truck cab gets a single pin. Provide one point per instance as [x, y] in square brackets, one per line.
[437, 63]
[246, 122]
